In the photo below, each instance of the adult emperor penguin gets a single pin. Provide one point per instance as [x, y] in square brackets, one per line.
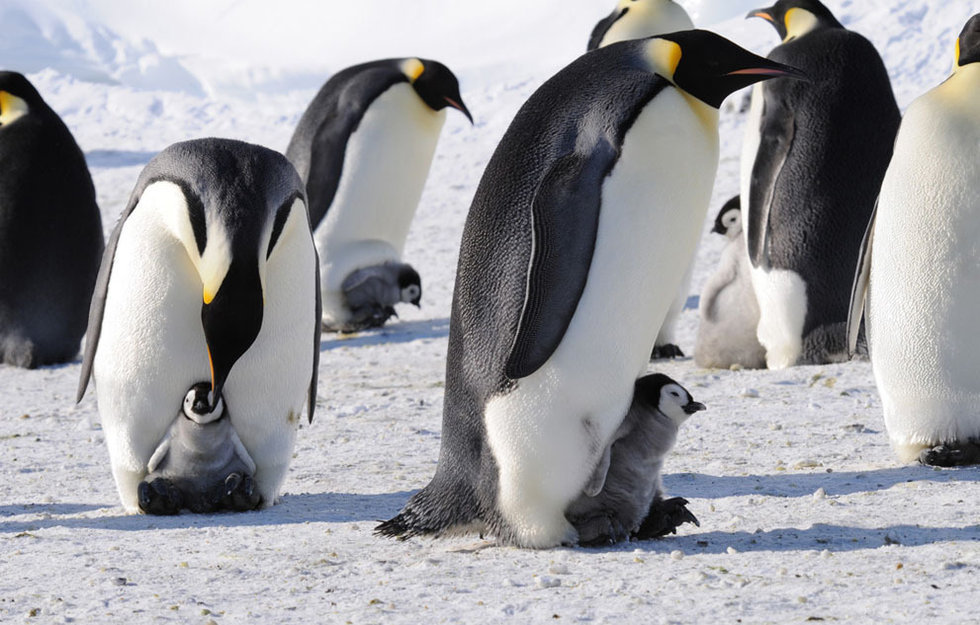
[812, 163]
[920, 272]
[729, 312]
[363, 148]
[210, 274]
[563, 239]
[635, 19]
[50, 231]
[624, 498]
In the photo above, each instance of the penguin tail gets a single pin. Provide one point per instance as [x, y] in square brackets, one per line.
[432, 512]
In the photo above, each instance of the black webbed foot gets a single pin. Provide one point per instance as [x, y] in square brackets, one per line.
[664, 517]
[159, 497]
[955, 454]
[668, 350]
[600, 530]
[238, 493]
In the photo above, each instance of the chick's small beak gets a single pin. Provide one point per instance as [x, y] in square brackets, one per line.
[693, 406]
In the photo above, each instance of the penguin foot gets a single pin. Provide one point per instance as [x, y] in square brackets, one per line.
[667, 350]
[159, 497]
[664, 517]
[600, 530]
[955, 454]
[239, 494]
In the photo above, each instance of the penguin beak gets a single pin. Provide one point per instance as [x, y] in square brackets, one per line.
[231, 321]
[771, 69]
[693, 406]
[717, 229]
[459, 106]
[761, 13]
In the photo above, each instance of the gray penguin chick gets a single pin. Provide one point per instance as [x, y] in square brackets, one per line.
[729, 311]
[624, 497]
[371, 293]
[201, 464]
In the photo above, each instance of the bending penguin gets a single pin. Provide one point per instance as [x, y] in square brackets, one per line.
[562, 235]
[201, 464]
[624, 498]
[633, 19]
[363, 149]
[50, 231]
[210, 274]
[917, 282]
[729, 312]
[813, 159]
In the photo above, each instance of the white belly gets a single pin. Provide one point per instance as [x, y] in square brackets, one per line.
[385, 167]
[152, 349]
[654, 204]
[924, 297]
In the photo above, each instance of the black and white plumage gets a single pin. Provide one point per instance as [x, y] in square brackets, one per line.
[635, 19]
[210, 274]
[917, 281]
[201, 464]
[729, 312]
[624, 498]
[50, 231]
[363, 148]
[537, 383]
[812, 163]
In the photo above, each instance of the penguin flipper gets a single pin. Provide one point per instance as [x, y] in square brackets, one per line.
[602, 27]
[594, 486]
[775, 142]
[317, 330]
[565, 219]
[859, 289]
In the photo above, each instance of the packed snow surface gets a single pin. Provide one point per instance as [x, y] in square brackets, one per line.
[806, 515]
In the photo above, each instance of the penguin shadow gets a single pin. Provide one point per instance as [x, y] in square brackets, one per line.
[699, 485]
[292, 509]
[400, 332]
[117, 158]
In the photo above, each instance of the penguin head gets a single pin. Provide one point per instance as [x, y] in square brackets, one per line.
[729, 219]
[968, 43]
[410, 285]
[708, 66]
[229, 204]
[198, 405]
[18, 97]
[669, 397]
[435, 84]
[795, 18]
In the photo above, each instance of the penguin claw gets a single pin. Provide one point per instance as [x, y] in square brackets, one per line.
[668, 351]
[664, 517]
[601, 530]
[239, 493]
[955, 454]
[159, 497]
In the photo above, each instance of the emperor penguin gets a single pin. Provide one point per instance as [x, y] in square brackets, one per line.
[579, 233]
[633, 19]
[50, 231]
[625, 492]
[918, 283]
[363, 149]
[210, 274]
[729, 312]
[201, 464]
[813, 159]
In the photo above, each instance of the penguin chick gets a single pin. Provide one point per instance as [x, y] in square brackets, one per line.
[728, 307]
[624, 497]
[371, 293]
[201, 464]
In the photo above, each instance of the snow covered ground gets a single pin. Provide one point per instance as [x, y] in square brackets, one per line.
[805, 513]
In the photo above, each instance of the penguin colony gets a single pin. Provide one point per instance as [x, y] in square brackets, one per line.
[204, 318]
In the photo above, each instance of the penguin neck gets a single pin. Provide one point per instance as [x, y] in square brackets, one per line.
[706, 114]
[962, 89]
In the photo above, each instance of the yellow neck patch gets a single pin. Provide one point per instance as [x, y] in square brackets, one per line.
[11, 108]
[663, 56]
[798, 23]
[956, 59]
[412, 68]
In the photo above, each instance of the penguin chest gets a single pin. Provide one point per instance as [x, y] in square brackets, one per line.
[547, 433]
[386, 162]
[924, 293]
